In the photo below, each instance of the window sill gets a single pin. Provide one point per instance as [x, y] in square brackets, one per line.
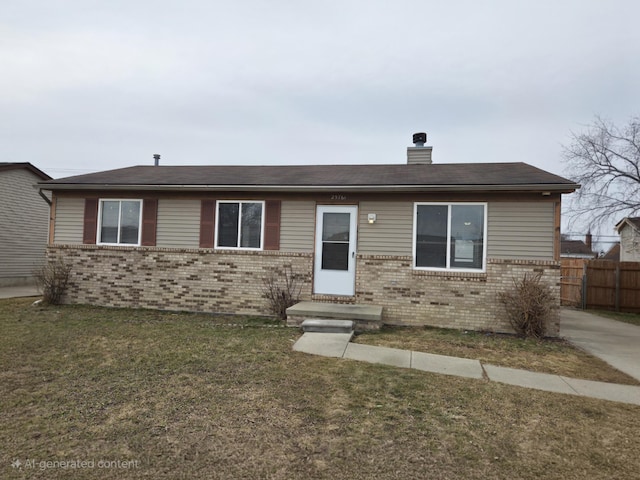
[451, 274]
[101, 244]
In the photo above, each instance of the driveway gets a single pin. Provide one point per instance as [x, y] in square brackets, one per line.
[617, 343]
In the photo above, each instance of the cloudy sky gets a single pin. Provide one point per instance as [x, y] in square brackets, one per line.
[91, 85]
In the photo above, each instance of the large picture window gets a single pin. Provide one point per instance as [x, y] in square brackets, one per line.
[119, 222]
[240, 224]
[450, 236]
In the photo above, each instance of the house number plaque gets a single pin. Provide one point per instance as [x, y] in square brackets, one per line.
[338, 196]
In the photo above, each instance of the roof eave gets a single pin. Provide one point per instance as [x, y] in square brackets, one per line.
[623, 223]
[555, 188]
[26, 166]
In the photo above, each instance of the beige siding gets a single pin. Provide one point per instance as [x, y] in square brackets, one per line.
[297, 226]
[178, 224]
[24, 226]
[629, 245]
[520, 230]
[517, 230]
[69, 220]
[391, 234]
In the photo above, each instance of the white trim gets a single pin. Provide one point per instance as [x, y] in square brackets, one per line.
[99, 225]
[240, 203]
[448, 268]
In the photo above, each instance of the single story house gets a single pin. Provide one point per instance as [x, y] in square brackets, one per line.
[433, 244]
[24, 223]
[629, 230]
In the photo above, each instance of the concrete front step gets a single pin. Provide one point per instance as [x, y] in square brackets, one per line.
[327, 326]
[366, 317]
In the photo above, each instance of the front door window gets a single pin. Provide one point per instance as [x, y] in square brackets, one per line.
[335, 241]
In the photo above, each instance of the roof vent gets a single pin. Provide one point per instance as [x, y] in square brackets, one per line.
[420, 139]
[156, 159]
[420, 154]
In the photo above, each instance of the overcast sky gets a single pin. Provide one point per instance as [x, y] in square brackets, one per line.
[92, 85]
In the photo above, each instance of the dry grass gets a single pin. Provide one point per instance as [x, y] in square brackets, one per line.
[632, 318]
[187, 399]
[555, 356]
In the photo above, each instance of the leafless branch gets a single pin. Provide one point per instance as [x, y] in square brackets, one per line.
[605, 160]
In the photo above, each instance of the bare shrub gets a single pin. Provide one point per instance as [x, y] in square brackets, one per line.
[281, 291]
[52, 279]
[529, 305]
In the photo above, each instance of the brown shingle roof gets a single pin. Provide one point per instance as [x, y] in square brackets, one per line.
[613, 253]
[518, 176]
[575, 247]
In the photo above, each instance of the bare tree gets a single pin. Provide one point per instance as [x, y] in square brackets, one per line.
[605, 160]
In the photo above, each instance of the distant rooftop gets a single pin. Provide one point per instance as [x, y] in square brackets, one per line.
[633, 221]
[576, 248]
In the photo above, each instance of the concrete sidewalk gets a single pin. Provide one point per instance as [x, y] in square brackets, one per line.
[617, 343]
[340, 346]
[16, 292]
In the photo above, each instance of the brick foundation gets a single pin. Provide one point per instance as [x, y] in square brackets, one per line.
[447, 299]
[175, 279]
[206, 280]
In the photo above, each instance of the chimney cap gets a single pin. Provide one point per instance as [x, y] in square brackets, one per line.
[156, 159]
[419, 139]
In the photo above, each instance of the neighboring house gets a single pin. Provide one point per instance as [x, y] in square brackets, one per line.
[24, 223]
[577, 248]
[433, 244]
[629, 230]
[613, 253]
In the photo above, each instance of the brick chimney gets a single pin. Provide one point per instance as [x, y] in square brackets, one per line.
[588, 240]
[419, 154]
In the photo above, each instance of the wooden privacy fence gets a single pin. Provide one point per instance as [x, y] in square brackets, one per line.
[600, 284]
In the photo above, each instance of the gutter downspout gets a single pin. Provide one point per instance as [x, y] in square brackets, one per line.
[46, 199]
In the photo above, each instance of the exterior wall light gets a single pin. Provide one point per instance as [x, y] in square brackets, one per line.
[372, 217]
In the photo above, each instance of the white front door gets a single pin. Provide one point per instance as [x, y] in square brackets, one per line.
[335, 259]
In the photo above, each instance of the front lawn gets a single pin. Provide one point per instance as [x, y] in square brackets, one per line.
[555, 356]
[175, 396]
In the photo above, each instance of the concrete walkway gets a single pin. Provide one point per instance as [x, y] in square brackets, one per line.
[617, 343]
[15, 292]
[338, 345]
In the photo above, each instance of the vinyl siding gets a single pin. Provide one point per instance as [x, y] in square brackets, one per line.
[516, 230]
[297, 226]
[520, 230]
[178, 223]
[69, 220]
[392, 234]
[24, 222]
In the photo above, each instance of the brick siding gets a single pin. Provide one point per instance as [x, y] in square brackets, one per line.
[447, 299]
[207, 280]
[200, 280]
